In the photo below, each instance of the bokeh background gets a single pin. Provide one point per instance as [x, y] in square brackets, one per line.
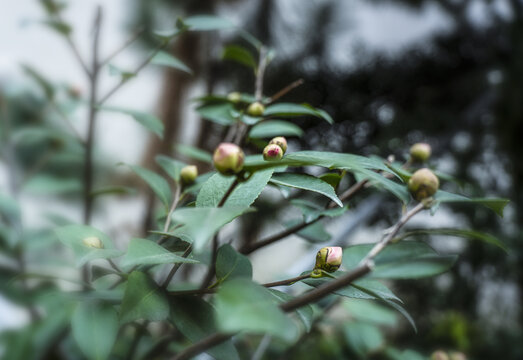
[390, 72]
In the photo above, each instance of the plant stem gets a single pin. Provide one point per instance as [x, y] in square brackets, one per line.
[285, 90]
[288, 281]
[316, 294]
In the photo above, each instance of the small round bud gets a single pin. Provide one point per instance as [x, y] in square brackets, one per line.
[420, 152]
[256, 109]
[188, 174]
[423, 184]
[456, 355]
[234, 97]
[93, 242]
[228, 159]
[272, 152]
[439, 355]
[281, 142]
[329, 259]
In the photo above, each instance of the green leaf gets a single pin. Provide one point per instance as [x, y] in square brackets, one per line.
[311, 211]
[240, 55]
[195, 318]
[200, 224]
[194, 153]
[143, 299]
[398, 190]
[94, 328]
[163, 58]
[157, 183]
[370, 312]
[50, 184]
[244, 194]
[171, 166]
[363, 338]
[359, 289]
[305, 313]
[242, 305]
[147, 252]
[230, 264]
[222, 114]
[9, 208]
[306, 182]
[404, 260]
[495, 204]
[271, 128]
[464, 233]
[113, 190]
[46, 85]
[59, 26]
[207, 23]
[292, 110]
[73, 236]
[149, 121]
[124, 74]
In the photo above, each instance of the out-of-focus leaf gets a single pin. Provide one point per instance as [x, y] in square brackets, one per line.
[464, 233]
[370, 311]
[244, 193]
[48, 184]
[195, 318]
[44, 83]
[59, 26]
[495, 204]
[113, 190]
[149, 121]
[305, 313]
[9, 208]
[147, 252]
[242, 305]
[219, 113]
[124, 74]
[292, 110]
[363, 338]
[171, 166]
[94, 328]
[157, 183]
[143, 299]
[240, 55]
[194, 153]
[314, 233]
[359, 289]
[165, 59]
[271, 128]
[311, 211]
[73, 236]
[200, 224]
[230, 264]
[307, 182]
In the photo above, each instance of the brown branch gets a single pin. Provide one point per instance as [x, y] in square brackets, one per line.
[287, 281]
[316, 294]
[285, 90]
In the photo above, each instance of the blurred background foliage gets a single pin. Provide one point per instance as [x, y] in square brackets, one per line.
[461, 90]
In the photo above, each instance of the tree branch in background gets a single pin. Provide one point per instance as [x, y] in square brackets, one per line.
[285, 90]
[318, 293]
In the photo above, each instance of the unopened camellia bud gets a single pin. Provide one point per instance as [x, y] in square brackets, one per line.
[93, 242]
[439, 355]
[272, 152]
[281, 142]
[228, 159]
[420, 152]
[256, 109]
[423, 184]
[234, 97]
[329, 259]
[188, 174]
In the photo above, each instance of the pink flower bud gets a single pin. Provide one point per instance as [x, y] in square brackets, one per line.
[228, 159]
[272, 152]
[281, 142]
[329, 258]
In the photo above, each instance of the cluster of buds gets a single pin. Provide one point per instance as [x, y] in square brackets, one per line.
[327, 259]
[188, 174]
[93, 242]
[228, 159]
[275, 150]
[420, 152]
[423, 184]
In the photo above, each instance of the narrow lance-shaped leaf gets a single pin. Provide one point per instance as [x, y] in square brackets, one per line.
[149, 121]
[495, 204]
[240, 55]
[147, 252]
[165, 59]
[307, 182]
[271, 128]
[157, 183]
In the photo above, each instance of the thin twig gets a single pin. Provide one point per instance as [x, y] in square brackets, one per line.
[74, 49]
[287, 281]
[262, 64]
[285, 90]
[316, 294]
[134, 36]
[135, 72]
